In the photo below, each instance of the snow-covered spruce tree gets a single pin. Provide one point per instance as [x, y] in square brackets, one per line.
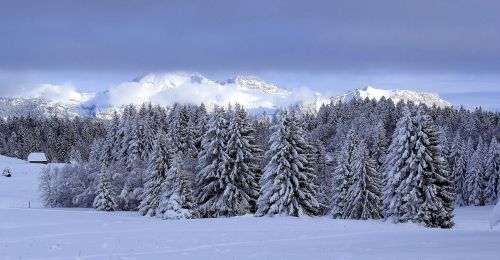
[364, 197]
[105, 199]
[398, 169]
[241, 191]
[212, 179]
[468, 153]
[475, 183]
[492, 190]
[459, 171]
[435, 189]
[177, 201]
[108, 155]
[287, 185]
[342, 174]
[158, 166]
[146, 134]
[179, 129]
[324, 175]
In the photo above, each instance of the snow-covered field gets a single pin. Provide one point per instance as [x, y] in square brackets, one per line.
[37, 233]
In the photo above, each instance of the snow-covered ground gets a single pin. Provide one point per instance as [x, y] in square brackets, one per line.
[39, 233]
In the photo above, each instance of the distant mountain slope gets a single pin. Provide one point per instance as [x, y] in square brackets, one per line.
[396, 95]
[255, 94]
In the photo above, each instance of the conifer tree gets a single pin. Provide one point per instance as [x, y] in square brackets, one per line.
[158, 165]
[241, 191]
[437, 195]
[492, 190]
[105, 199]
[108, 156]
[459, 171]
[342, 174]
[324, 178]
[287, 184]
[177, 201]
[398, 168]
[212, 179]
[364, 197]
[468, 153]
[475, 177]
[419, 186]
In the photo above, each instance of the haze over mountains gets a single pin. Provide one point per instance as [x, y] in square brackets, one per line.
[255, 94]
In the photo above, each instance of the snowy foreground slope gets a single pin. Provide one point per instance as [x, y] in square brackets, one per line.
[39, 233]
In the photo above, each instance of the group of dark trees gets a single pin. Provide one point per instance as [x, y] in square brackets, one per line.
[60, 139]
[362, 160]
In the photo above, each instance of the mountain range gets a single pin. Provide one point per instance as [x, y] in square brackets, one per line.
[255, 94]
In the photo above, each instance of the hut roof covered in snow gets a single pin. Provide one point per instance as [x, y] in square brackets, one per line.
[37, 157]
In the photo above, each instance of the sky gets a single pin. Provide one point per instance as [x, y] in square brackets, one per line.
[451, 47]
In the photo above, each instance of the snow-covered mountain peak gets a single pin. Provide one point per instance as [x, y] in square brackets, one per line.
[192, 88]
[255, 83]
[396, 95]
[169, 80]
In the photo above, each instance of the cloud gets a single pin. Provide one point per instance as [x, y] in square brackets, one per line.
[166, 89]
[59, 93]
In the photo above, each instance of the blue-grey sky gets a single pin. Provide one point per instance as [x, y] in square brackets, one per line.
[445, 46]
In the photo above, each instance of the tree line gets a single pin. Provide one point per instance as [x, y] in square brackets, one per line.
[362, 160]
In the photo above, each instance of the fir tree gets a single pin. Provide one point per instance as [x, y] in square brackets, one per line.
[342, 174]
[105, 199]
[324, 178]
[364, 197]
[212, 179]
[436, 195]
[492, 190]
[241, 191]
[475, 177]
[108, 156]
[158, 166]
[287, 184]
[459, 171]
[177, 200]
[398, 169]
[419, 186]
[468, 153]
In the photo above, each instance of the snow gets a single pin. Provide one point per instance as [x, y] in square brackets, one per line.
[255, 94]
[37, 157]
[22, 187]
[495, 215]
[39, 233]
[396, 95]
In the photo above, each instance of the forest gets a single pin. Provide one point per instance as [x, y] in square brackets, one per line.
[364, 159]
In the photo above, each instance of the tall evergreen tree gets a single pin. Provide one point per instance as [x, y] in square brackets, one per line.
[212, 179]
[419, 186]
[437, 195]
[108, 156]
[287, 184]
[105, 199]
[492, 190]
[475, 177]
[242, 189]
[324, 178]
[364, 197]
[177, 201]
[399, 171]
[158, 165]
[342, 174]
[459, 171]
